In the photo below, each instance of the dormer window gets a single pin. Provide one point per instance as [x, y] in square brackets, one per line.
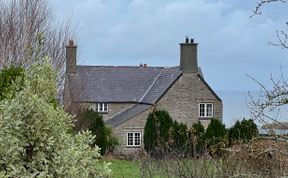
[99, 107]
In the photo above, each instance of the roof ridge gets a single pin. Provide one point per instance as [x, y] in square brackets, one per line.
[147, 91]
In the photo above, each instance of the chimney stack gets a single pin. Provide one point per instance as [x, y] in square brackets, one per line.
[71, 53]
[188, 56]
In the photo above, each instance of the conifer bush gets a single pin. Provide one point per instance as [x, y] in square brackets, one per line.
[156, 131]
[199, 133]
[243, 131]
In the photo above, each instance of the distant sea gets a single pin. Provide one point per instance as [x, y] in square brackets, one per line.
[235, 106]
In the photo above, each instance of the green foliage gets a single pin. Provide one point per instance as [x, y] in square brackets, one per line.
[35, 134]
[8, 76]
[97, 128]
[244, 131]
[156, 131]
[150, 133]
[199, 132]
[215, 132]
[112, 141]
[179, 136]
[104, 136]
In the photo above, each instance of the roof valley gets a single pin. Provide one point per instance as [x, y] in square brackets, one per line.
[147, 91]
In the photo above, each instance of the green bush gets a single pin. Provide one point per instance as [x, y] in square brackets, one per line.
[9, 76]
[105, 139]
[198, 132]
[36, 138]
[242, 131]
[156, 131]
[215, 132]
[97, 128]
[180, 137]
[150, 133]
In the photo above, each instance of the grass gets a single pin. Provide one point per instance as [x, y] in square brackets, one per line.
[125, 169]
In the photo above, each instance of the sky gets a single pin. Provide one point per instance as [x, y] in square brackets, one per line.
[231, 44]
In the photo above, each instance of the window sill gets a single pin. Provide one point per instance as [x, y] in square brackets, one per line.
[133, 146]
[103, 112]
[205, 118]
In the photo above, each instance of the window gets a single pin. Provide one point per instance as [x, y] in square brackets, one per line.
[100, 107]
[205, 110]
[133, 138]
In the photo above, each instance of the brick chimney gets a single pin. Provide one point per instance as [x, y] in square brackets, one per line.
[188, 56]
[71, 53]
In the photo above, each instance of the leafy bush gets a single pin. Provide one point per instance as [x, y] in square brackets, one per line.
[156, 132]
[180, 137]
[104, 136]
[244, 131]
[215, 137]
[35, 135]
[9, 76]
[198, 132]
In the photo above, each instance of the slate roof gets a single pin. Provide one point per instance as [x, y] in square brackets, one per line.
[141, 85]
[122, 83]
[127, 114]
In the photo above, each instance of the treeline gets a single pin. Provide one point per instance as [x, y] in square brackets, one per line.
[164, 135]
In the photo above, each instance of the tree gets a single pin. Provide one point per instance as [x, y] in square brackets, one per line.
[271, 102]
[97, 128]
[244, 131]
[21, 24]
[36, 134]
[282, 35]
[198, 133]
[215, 132]
[156, 131]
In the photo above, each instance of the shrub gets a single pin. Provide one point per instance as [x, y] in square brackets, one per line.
[180, 137]
[198, 132]
[9, 76]
[97, 128]
[244, 131]
[35, 135]
[215, 137]
[156, 131]
[112, 141]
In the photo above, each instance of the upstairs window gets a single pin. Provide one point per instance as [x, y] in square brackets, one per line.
[100, 107]
[205, 110]
[133, 138]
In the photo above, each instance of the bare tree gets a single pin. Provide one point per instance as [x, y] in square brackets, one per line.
[272, 103]
[26, 23]
[282, 35]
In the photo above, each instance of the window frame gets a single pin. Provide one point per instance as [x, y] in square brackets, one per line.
[205, 110]
[100, 107]
[133, 139]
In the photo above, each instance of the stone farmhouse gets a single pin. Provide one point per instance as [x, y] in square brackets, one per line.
[125, 95]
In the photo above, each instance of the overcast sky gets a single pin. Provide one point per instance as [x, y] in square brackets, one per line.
[231, 44]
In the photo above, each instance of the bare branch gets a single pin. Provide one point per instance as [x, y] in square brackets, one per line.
[261, 4]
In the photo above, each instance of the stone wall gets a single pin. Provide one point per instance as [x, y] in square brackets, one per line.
[115, 108]
[183, 98]
[135, 124]
[181, 101]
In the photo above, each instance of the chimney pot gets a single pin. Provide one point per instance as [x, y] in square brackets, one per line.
[71, 42]
[187, 39]
[145, 65]
[191, 40]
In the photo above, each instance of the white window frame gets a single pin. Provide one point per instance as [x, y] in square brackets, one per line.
[205, 110]
[134, 139]
[100, 107]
